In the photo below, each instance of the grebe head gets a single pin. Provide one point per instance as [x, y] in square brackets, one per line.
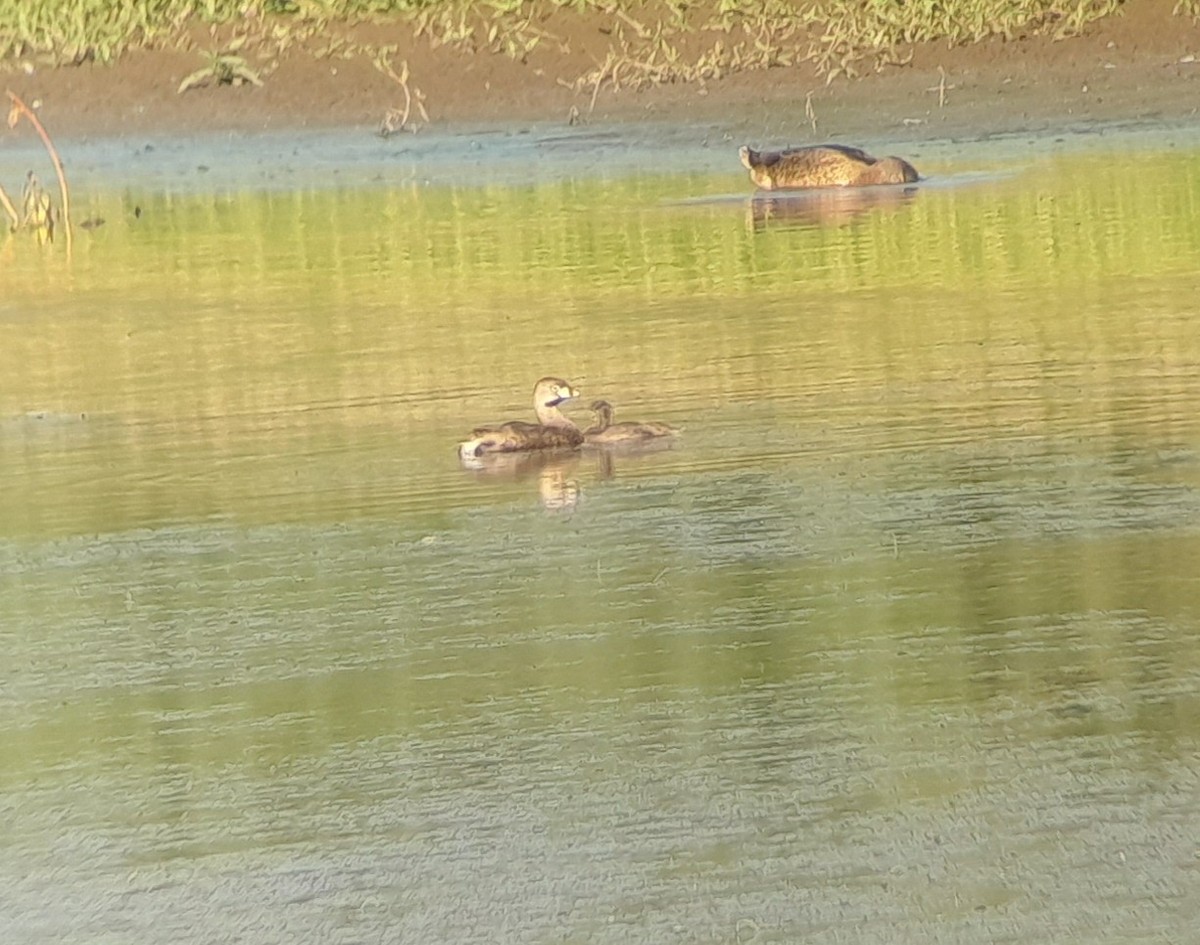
[553, 391]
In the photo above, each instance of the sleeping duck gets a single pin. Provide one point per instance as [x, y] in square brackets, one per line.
[553, 430]
[825, 165]
[606, 433]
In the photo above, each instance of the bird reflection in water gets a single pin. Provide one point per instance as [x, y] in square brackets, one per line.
[608, 456]
[823, 207]
[553, 471]
[556, 472]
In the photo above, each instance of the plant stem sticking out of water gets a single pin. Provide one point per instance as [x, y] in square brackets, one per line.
[37, 213]
[35, 202]
[14, 221]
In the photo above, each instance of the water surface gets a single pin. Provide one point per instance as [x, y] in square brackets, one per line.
[899, 642]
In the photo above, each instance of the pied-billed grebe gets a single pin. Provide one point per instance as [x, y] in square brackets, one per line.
[554, 429]
[825, 165]
[606, 433]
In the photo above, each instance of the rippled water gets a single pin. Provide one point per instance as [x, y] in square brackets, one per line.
[900, 642]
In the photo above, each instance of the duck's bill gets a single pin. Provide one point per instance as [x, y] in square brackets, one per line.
[570, 394]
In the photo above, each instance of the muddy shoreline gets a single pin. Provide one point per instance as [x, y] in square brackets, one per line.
[1142, 66]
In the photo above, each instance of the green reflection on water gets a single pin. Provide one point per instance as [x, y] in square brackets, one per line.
[931, 525]
[233, 328]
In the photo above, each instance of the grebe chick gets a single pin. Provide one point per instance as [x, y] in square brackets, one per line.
[606, 433]
[824, 165]
[554, 429]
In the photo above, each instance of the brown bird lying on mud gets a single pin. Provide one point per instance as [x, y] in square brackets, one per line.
[554, 429]
[606, 433]
[825, 165]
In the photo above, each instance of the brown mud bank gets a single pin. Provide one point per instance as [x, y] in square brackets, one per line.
[1140, 65]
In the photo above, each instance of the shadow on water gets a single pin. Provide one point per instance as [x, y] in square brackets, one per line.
[898, 642]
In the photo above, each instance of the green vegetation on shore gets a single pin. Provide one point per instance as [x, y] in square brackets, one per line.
[649, 40]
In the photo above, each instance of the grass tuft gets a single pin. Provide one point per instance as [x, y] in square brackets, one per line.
[649, 41]
[224, 67]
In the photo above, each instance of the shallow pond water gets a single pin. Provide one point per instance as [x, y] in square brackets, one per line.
[899, 642]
